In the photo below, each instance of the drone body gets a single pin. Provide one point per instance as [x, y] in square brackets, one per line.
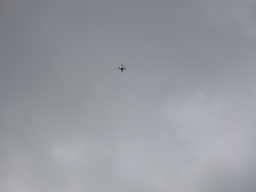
[122, 68]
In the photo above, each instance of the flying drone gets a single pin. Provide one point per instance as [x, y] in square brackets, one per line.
[122, 68]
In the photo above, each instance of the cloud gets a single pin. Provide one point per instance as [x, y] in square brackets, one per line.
[182, 118]
[218, 134]
[232, 17]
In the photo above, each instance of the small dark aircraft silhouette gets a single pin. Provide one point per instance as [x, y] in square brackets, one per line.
[122, 68]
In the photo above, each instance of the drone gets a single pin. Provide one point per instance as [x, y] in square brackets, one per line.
[122, 68]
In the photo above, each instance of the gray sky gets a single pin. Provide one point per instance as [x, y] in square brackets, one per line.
[180, 119]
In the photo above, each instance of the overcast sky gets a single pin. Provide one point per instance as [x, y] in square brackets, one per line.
[181, 118]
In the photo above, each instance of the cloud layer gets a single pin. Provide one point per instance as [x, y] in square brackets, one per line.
[181, 118]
